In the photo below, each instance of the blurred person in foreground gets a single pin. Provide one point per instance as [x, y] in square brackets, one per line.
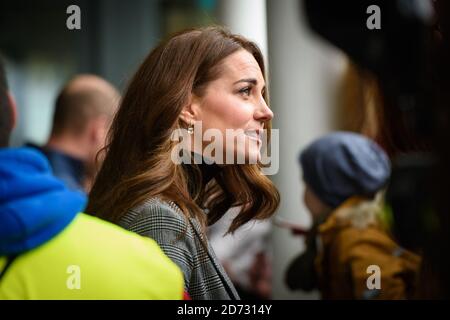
[49, 250]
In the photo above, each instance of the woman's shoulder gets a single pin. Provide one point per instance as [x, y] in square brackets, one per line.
[157, 212]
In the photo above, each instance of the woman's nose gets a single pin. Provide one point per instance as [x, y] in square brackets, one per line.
[263, 112]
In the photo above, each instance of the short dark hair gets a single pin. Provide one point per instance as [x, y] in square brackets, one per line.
[73, 110]
[5, 109]
[83, 98]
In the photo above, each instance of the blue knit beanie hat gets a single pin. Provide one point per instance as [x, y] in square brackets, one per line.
[344, 164]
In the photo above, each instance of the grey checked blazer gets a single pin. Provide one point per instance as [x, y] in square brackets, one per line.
[204, 276]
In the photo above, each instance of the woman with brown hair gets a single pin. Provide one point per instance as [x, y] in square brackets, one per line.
[206, 76]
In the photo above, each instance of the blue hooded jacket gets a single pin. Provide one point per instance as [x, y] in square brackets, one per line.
[34, 205]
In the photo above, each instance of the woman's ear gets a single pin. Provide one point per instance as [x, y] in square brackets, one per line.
[192, 111]
[186, 116]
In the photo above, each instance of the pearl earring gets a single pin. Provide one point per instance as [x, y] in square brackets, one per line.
[191, 128]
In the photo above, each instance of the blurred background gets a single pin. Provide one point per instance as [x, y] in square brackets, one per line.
[305, 75]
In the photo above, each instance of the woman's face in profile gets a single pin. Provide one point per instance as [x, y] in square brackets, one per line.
[235, 101]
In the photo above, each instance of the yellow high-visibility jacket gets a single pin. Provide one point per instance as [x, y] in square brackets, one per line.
[92, 259]
[48, 250]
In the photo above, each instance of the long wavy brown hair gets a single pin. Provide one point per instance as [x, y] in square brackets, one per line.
[137, 165]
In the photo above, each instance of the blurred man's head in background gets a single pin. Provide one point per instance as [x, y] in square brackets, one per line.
[7, 118]
[84, 110]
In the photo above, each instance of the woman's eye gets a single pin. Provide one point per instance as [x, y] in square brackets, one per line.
[245, 91]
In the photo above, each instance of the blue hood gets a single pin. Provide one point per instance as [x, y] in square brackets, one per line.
[34, 205]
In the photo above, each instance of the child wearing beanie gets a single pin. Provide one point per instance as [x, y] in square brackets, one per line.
[345, 175]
